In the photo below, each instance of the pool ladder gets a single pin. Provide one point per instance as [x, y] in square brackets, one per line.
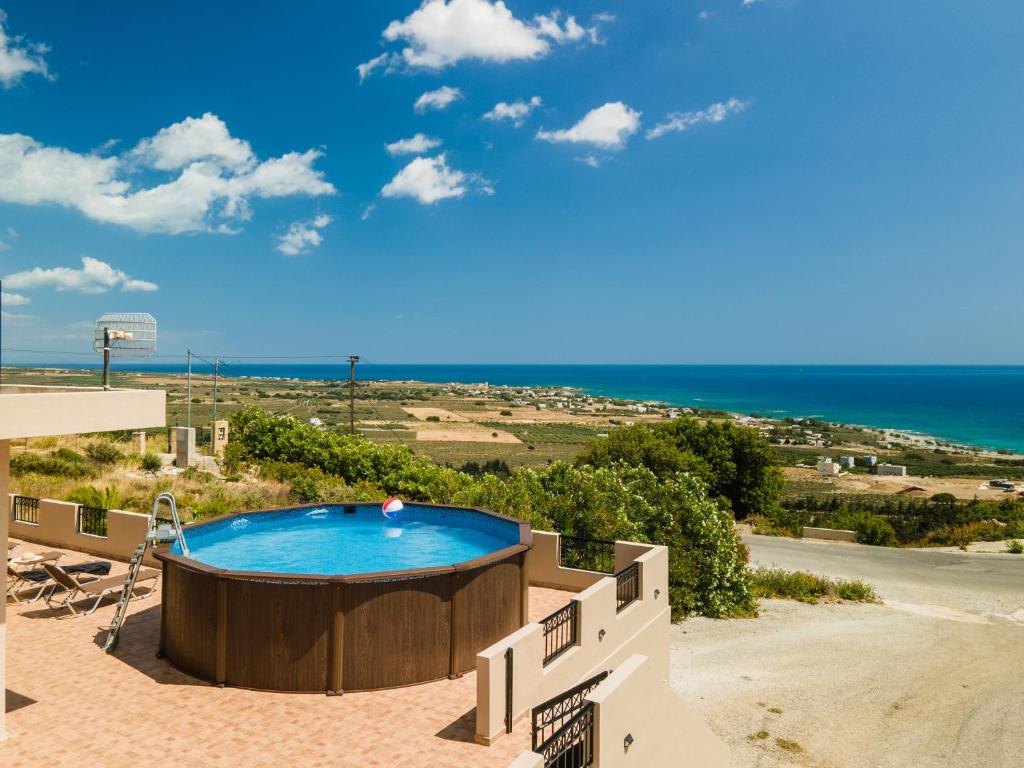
[158, 532]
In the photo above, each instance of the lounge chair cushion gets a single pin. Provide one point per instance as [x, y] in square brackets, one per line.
[94, 568]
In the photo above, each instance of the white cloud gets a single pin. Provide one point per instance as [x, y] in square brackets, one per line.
[95, 276]
[440, 33]
[217, 177]
[516, 112]
[19, 58]
[429, 179]
[681, 121]
[437, 99]
[705, 15]
[607, 126]
[194, 138]
[368, 210]
[590, 160]
[14, 299]
[414, 145]
[748, 3]
[367, 68]
[5, 245]
[303, 235]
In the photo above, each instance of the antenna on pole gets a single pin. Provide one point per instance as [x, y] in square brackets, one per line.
[352, 360]
[124, 334]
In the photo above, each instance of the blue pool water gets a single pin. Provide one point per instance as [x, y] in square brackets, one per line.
[329, 541]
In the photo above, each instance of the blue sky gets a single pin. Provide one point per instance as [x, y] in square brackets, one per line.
[831, 181]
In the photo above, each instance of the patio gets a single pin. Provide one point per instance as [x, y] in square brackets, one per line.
[68, 702]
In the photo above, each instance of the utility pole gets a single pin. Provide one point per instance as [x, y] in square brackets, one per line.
[106, 358]
[188, 397]
[352, 360]
[216, 369]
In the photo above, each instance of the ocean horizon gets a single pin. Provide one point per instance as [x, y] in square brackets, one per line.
[969, 404]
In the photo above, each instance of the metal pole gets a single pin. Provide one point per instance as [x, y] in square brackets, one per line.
[216, 368]
[188, 397]
[106, 358]
[352, 360]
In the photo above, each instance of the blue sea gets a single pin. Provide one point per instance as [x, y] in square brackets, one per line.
[976, 405]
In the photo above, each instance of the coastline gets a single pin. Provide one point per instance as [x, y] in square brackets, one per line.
[980, 424]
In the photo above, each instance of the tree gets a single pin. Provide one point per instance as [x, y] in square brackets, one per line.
[737, 463]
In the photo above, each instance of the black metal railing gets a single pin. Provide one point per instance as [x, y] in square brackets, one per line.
[26, 509]
[627, 586]
[549, 717]
[586, 554]
[92, 520]
[560, 631]
[572, 745]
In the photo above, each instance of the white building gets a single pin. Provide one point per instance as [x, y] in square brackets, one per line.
[827, 468]
[847, 462]
[896, 470]
[869, 461]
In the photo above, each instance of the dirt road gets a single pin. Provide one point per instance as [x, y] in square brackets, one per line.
[934, 677]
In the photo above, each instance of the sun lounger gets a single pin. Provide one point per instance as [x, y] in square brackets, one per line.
[100, 588]
[18, 581]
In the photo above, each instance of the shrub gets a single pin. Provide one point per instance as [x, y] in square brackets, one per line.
[505, 413]
[91, 496]
[1015, 547]
[150, 462]
[807, 587]
[104, 453]
[875, 530]
[433, 418]
[60, 463]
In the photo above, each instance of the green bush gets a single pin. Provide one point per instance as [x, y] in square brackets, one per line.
[104, 453]
[60, 463]
[91, 496]
[874, 530]
[150, 462]
[1015, 547]
[807, 587]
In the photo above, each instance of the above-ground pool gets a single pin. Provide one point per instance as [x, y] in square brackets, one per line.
[348, 539]
[340, 597]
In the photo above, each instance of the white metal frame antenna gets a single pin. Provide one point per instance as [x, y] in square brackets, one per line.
[124, 334]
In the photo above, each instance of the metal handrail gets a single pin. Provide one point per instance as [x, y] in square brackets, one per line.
[158, 532]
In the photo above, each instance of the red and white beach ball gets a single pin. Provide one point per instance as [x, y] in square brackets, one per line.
[392, 507]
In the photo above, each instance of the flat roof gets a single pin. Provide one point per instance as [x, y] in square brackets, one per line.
[32, 411]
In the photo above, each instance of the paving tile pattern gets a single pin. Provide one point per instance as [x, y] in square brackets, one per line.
[69, 703]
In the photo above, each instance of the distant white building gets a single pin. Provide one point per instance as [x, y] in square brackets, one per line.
[847, 462]
[828, 468]
[896, 470]
[315, 421]
[869, 461]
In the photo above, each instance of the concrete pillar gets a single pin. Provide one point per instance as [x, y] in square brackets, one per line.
[139, 442]
[5, 516]
[185, 446]
[219, 430]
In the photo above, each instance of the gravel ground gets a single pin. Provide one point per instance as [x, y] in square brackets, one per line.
[914, 682]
